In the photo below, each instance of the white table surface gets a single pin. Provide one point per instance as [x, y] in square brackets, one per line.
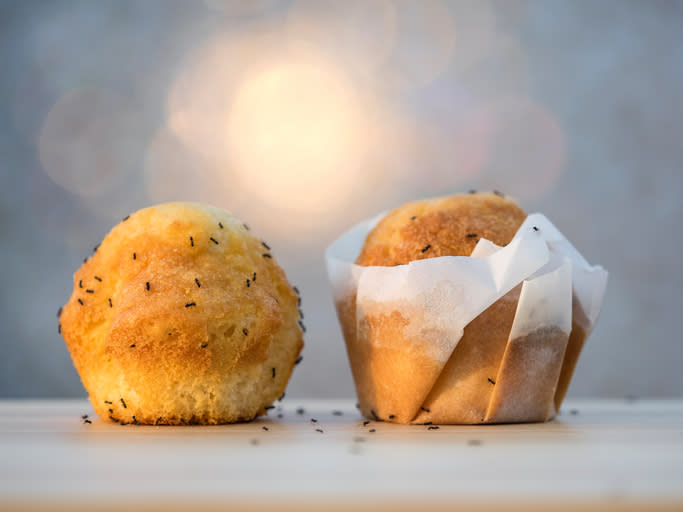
[597, 455]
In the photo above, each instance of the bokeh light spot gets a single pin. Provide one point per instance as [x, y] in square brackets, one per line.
[89, 141]
[296, 134]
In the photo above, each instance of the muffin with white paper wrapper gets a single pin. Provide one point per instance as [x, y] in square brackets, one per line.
[492, 337]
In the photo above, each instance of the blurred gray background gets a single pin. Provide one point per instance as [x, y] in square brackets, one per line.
[304, 117]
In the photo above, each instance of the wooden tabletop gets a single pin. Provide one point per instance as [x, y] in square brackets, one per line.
[597, 455]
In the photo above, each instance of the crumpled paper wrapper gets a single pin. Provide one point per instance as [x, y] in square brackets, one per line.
[489, 338]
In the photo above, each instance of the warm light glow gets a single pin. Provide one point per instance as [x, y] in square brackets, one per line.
[296, 134]
[282, 133]
[200, 98]
[339, 108]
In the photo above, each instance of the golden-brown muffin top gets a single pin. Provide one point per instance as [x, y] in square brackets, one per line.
[445, 226]
[178, 287]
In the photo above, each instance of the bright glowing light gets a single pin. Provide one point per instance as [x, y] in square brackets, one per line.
[201, 98]
[296, 135]
[282, 132]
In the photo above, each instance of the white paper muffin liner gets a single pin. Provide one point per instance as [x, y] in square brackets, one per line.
[438, 297]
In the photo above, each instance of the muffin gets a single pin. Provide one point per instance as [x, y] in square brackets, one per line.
[446, 226]
[182, 316]
[460, 338]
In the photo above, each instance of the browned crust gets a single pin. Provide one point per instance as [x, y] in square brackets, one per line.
[162, 316]
[448, 226]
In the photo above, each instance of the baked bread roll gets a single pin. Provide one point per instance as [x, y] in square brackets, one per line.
[396, 376]
[182, 316]
[446, 226]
